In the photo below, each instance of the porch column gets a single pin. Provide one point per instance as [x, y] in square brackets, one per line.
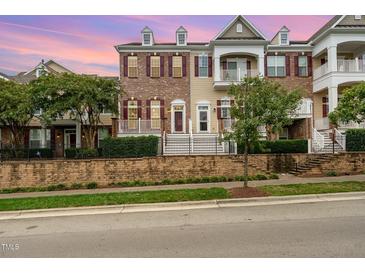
[78, 135]
[332, 58]
[43, 136]
[217, 68]
[261, 65]
[332, 98]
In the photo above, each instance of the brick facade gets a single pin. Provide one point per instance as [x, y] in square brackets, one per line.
[292, 82]
[165, 87]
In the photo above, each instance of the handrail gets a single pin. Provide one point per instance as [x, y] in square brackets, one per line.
[340, 139]
[318, 140]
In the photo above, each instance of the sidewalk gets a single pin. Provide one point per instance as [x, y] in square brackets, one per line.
[284, 180]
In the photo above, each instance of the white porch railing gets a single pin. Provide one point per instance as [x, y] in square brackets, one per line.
[320, 71]
[351, 65]
[237, 74]
[262, 131]
[304, 108]
[317, 140]
[351, 124]
[340, 139]
[138, 126]
[321, 123]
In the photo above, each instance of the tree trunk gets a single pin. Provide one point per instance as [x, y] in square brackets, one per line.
[90, 137]
[245, 172]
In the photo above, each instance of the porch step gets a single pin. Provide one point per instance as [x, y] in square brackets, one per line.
[185, 144]
[315, 161]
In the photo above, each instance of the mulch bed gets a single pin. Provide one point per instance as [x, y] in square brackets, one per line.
[247, 192]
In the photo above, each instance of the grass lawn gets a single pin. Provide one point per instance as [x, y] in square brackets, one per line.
[313, 188]
[113, 198]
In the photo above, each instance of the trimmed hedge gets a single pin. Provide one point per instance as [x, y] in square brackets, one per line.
[81, 153]
[129, 146]
[25, 153]
[278, 146]
[355, 139]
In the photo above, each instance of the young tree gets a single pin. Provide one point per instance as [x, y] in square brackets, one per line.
[351, 107]
[80, 97]
[258, 102]
[278, 105]
[16, 109]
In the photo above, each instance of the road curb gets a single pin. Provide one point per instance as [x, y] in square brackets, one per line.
[221, 203]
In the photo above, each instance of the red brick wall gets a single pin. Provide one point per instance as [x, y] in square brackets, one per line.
[167, 88]
[291, 82]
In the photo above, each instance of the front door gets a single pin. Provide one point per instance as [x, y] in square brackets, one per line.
[178, 121]
[203, 118]
[70, 138]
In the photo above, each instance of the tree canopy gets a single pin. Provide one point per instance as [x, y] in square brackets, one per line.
[351, 107]
[16, 109]
[79, 97]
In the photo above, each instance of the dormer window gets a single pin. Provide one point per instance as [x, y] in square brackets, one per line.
[284, 38]
[239, 28]
[181, 39]
[181, 36]
[357, 17]
[147, 39]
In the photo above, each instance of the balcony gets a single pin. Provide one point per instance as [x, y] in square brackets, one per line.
[352, 65]
[304, 110]
[138, 126]
[233, 76]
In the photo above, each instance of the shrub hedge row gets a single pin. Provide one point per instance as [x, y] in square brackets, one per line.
[355, 140]
[24, 153]
[278, 146]
[129, 146]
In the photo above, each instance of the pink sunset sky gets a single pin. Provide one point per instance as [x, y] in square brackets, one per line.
[84, 44]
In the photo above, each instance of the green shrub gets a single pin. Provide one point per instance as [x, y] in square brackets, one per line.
[278, 146]
[273, 176]
[129, 146]
[355, 139]
[81, 153]
[331, 173]
[24, 153]
[260, 177]
[91, 185]
[76, 186]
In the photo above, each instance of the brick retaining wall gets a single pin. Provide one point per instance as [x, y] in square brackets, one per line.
[104, 171]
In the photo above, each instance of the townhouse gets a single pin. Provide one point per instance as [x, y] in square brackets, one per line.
[180, 89]
[63, 132]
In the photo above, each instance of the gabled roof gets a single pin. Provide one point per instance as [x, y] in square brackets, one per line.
[146, 29]
[50, 66]
[246, 23]
[282, 29]
[181, 29]
[338, 22]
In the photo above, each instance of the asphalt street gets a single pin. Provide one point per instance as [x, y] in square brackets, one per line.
[319, 229]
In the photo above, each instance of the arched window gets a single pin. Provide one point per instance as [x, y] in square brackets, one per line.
[239, 27]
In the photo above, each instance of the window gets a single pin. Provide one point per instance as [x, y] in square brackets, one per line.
[283, 38]
[203, 118]
[225, 109]
[176, 66]
[203, 65]
[132, 66]
[276, 66]
[102, 134]
[284, 133]
[239, 28]
[303, 66]
[155, 114]
[155, 66]
[325, 107]
[132, 114]
[357, 17]
[35, 138]
[146, 39]
[181, 39]
[38, 112]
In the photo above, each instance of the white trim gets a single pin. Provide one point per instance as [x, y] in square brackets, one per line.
[178, 102]
[287, 38]
[185, 38]
[203, 104]
[246, 22]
